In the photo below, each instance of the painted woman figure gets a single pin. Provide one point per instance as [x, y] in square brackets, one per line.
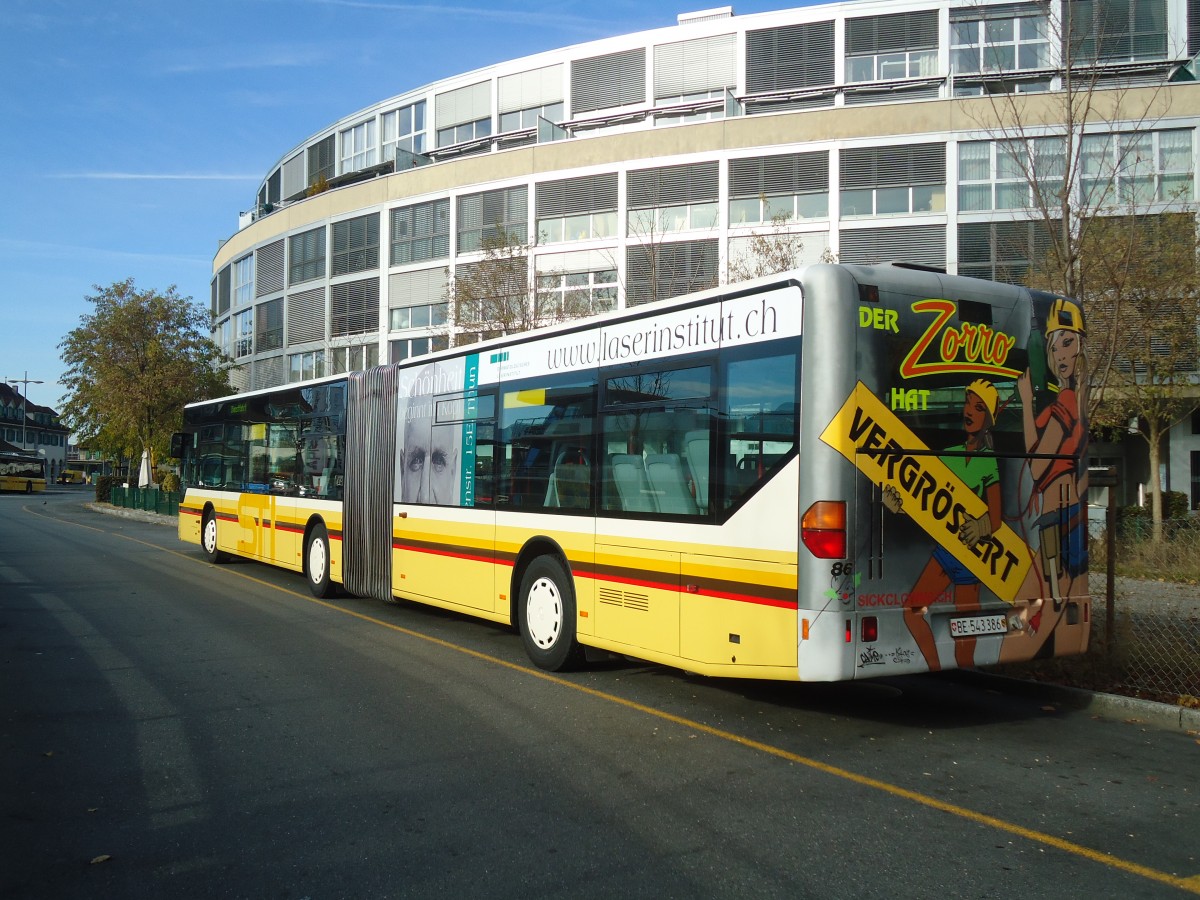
[1060, 529]
[974, 462]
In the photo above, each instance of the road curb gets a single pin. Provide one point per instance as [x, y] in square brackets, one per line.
[141, 515]
[1132, 710]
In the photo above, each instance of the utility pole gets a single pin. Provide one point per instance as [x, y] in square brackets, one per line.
[25, 382]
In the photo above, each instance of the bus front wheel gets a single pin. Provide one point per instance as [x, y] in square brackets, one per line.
[546, 614]
[208, 538]
[316, 562]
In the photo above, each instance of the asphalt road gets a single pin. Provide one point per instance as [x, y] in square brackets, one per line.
[170, 728]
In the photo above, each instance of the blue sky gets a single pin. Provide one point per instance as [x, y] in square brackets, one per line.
[135, 130]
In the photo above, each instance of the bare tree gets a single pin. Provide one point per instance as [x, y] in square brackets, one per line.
[658, 267]
[770, 251]
[498, 294]
[1040, 138]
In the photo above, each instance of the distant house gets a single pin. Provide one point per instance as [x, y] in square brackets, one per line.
[32, 428]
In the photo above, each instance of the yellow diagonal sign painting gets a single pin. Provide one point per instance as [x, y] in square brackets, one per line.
[871, 436]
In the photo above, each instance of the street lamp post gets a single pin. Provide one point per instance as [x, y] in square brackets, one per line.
[25, 383]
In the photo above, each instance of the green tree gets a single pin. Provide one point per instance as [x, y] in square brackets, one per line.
[132, 364]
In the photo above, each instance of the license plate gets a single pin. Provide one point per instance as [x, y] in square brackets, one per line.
[967, 626]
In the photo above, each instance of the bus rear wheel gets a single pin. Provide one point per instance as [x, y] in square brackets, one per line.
[546, 615]
[208, 538]
[316, 562]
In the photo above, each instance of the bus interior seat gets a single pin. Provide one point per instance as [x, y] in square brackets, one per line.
[570, 483]
[695, 451]
[665, 473]
[629, 475]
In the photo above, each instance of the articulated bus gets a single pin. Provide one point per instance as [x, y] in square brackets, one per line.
[19, 472]
[840, 472]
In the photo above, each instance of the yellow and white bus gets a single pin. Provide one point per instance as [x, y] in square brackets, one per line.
[20, 472]
[836, 473]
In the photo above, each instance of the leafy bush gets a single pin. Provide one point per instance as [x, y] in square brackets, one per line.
[170, 483]
[104, 486]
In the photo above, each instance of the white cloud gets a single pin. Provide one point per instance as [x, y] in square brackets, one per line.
[157, 176]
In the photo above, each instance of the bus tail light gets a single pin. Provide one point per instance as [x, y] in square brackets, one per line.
[823, 529]
[870, 629]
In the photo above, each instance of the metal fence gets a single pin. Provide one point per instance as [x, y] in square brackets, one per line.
[161, 502]
[1148, 629]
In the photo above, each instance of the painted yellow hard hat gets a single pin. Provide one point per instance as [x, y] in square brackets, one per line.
[1065, 315]
[985, 391]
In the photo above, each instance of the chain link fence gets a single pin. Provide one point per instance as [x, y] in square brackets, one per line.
[1148, 630]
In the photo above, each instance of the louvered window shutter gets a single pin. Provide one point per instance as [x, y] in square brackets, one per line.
[792, 57]
[673, 185]
[602, 82]
[696, 66]
[576, 196]
[306, 316]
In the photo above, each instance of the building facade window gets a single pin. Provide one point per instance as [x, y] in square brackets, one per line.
[659, 271]
[243, 281]
[1137, 167]
[673, 199]
[243, 330]
[355, 245]
[406, 348]
[493, 215]
[789, 58]
[357, 146]
[268, 325]
[425, 315]
[787, 187]
[1115, 31]
[463, 114]
[693, 72]
[594, 291]
[883, 181]
[1002, 174]
[306, 256]
[420, 232]
[887, 48]
[303, 366]
[984, 44]
[403, 129]
[322, 162]
[1001, 251]
[519, 119]
[577, 209]
[354, 307]
[611, 80]
[353, 359]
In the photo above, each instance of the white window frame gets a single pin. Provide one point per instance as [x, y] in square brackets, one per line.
[357, 146]
[1028, 33]
[403, 128]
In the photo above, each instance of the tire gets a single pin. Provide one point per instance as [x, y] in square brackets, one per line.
[29, 487]
[208, 538]
[546, 615]
[316, 562]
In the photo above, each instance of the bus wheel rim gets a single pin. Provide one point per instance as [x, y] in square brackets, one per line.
[210, 534]
[316, 561]
[544, 613]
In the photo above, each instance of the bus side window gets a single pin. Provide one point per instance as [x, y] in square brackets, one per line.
[759, 420]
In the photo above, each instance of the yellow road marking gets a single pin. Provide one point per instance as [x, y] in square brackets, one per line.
[1191, 884]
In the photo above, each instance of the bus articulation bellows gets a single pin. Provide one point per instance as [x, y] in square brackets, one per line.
[839, 472]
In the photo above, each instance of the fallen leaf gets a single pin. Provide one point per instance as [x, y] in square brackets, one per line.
[102, 858]
[48, 753]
